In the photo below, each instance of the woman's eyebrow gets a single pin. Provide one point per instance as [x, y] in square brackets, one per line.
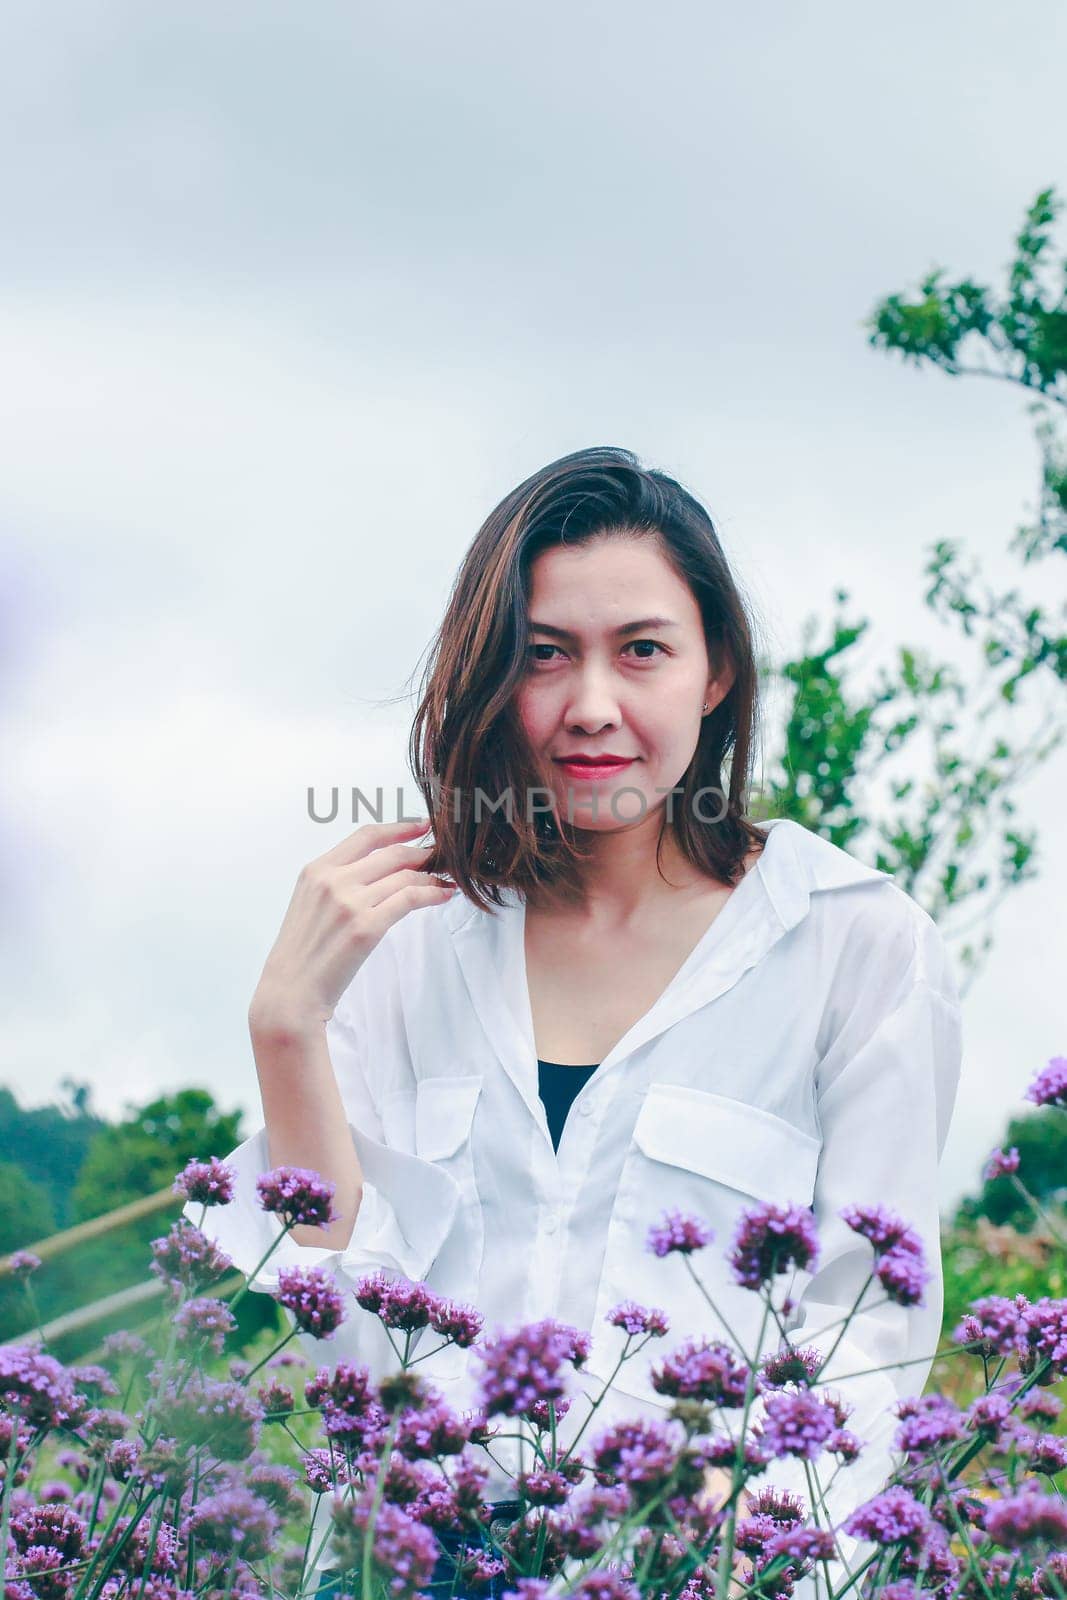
[627, 627]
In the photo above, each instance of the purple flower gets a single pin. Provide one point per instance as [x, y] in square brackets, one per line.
[995, 1326]
[35, 1386]
[929, 1423]
[460, 1323]
[1001, 1164]
[434, 1430]
[1049, 1087]
[635, 1319]
[1045, 1326]
[312, 1298]
[22, 1263]
[790, 1365]
[606, 1584]
[325, 1469]
[404, 1551]
[56, 1526]
[796, 1425]
[637, 1453]
[1027, 1518]
[882, 1227]
[208, 1412]
[302, 1198]
[206, 1322]
[1047, 1453]
[701, 1369]
[780, 1506]
[988, 1415]
[802, 1547]
[770, 1239]
[397, 1302]
[276, 1399]
[208, 1183]
[903, 1273]
[678, 1232]
[524, 1367]
[1040, 1404]
[235, 1519]
[892, 1517]
[186, 1259]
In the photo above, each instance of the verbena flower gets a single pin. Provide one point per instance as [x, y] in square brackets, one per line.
[205, 1321]
[22, 1262]
[235, 1519]
[679, 1233]
[796, 1425]
[187, 1260]
[404, 1551]
[324, 1469]
[1049, 1087]
[882, 1227]
[460, 1323]
[312, 1298]
[635, 1319]
[639, 1454]
[1027, 1518]
[995, 1326]
[207, 1183]
[1001, 1164]
[397, 1302]
[802, 1547]
[35, 1386]
[790, 1365]
[892, 1517]
[769, 1240]
[434, 1430]
[903, 1274]
[702, 1369]
[526, 1366]
[1044, 1325]
[207, 1411]
[301, 1197]
[929, 1422]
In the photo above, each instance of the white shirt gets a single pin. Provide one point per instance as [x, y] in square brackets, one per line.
[807, 1051]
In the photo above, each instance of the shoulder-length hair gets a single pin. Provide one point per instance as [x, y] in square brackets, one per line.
[467, 749]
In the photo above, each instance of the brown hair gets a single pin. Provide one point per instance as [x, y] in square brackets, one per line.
[466, 734]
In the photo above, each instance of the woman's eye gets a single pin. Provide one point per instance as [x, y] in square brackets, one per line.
[653, 642]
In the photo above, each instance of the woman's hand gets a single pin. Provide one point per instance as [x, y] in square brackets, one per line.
[343, 903]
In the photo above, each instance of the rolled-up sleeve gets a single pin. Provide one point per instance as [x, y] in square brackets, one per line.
[408, 1204]
[885, 1095]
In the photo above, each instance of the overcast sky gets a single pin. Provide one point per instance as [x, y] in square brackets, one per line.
[293, 294]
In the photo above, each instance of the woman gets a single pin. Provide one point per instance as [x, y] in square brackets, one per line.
[514, 1051]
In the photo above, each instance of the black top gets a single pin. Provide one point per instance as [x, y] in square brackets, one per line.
[558, 1086]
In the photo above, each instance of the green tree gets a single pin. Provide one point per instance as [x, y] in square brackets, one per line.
[26, 1213]
[49, 1142]
[919, 770]
[143, 1152]
[1041, 1140]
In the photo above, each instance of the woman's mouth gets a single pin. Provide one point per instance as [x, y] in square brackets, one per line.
[592, 771]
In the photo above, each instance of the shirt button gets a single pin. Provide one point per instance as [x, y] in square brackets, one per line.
[551, 1224]
[585, 1107]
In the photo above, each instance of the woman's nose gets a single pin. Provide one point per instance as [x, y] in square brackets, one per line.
[593, 704]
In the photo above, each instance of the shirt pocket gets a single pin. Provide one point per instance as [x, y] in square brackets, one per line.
[712, 1157]
[445, 1109]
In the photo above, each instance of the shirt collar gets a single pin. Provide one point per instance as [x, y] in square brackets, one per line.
[771, 899]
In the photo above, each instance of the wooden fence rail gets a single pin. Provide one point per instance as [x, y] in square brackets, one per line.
[123, 1299]
[96, 1227]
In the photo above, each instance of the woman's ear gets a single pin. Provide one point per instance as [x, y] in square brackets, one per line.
[720, 685]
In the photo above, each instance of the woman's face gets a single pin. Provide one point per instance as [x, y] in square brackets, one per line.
[603, 679]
